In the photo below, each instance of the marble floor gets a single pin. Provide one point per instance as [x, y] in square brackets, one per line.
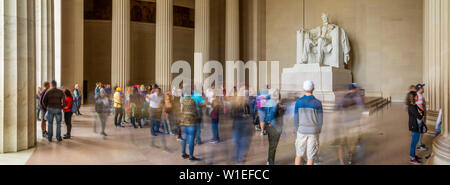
[379, 139]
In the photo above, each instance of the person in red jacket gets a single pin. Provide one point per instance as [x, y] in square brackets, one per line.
[68, 113]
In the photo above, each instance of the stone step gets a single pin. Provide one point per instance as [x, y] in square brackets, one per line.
[372, 104]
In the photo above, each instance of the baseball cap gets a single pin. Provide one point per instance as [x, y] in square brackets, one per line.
[419, 86]
[308, 85]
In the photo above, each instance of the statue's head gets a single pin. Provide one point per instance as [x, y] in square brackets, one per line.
[324, 17]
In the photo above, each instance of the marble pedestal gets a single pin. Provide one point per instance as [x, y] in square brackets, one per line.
[328, 80]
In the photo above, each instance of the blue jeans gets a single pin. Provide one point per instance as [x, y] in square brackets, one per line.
[215, 129]
[414, 141]
[189, 135]
[155, 126]
[51, 114]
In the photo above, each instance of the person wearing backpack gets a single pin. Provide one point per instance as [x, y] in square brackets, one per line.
[189, 123]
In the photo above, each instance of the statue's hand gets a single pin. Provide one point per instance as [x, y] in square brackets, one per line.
[347, 58]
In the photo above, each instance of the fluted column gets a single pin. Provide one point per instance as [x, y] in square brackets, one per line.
[432, 57]
[120, 64]
[437, 68]
[45, 40]
[232, 31]
[202, 43]
[17, 75]
[164, 38]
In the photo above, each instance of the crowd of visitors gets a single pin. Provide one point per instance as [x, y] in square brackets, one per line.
[53, 104]
[183, 115]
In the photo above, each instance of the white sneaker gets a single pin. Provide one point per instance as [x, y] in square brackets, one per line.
[261, 133]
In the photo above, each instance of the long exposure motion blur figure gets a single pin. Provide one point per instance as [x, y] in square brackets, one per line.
[347, 132]
[118, 110]
[308, 121]
[102, 107]
[135, 108]
[168, 117]
[199, 103]
[242, 127]
[260, 105]
[273, 118]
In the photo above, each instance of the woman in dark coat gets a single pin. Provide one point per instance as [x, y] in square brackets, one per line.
[414, 115]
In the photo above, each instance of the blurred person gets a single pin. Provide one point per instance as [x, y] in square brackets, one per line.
[260, 105]
[423, 110]
[77, 99]
[199, 102]
[98, 87]
[351, 107]
[414, 116]
[108, 90]
[68, 113]
[412, 88]
[156, 105]
[54, 101]
[308, 121]
[214, 115]
[118, 109]
[44, 110]
[102, 108]
[242, 127]
[38, 100]
[168, 114]
[252, 104]
[188, 124]
[273, 118]
[136, 106]
[142, 91]
[210, 96]
[126, 105]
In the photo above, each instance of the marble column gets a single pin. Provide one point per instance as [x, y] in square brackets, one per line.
[120, 64]
[17, 75]
[164, 38]
[202, 39]
[72, 43]
[45, 40]
[437, 68]
[232, 31]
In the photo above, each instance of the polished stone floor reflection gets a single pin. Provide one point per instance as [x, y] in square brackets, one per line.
[381, 138]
